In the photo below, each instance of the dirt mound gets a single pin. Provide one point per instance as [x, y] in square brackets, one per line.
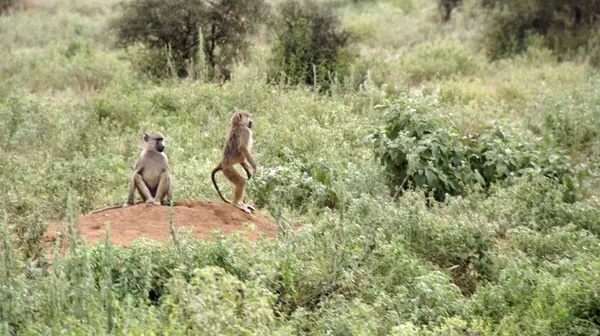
[150, 221]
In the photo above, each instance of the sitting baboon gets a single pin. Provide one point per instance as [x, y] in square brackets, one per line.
[152, 175]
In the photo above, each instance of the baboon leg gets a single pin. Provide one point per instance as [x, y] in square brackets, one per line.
[142, 188]
[246, 167]
[169, 192]
[164, 188]
[239, 184]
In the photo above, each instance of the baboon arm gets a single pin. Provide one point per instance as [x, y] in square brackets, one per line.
[167, 163]
[138, 163]
[244, 165]
[132, 186]
[249, 158]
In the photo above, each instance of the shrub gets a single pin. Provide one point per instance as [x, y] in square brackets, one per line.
[565, 25]
[567, 118]
[441, 58]
[446, 6]
[6, 4]
[558, 243]
[216, 302]
[422, 151]
[75, 64]
[298, 186]
[83, 177]
[527, 300]
[463, 245]
[29, 231]
[311, 47]
[426, 300]
[186, 32]
[538, 203]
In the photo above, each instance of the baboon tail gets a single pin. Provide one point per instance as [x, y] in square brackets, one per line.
[110, 208]
[212, 176]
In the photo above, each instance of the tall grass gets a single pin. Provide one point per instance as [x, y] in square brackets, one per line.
[516, 258]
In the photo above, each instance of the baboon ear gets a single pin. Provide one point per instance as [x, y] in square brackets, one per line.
[146, 137]
[240, 116]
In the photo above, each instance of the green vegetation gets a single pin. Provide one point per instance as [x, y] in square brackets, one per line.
[428, 152]
[181, 37]
[310, 47]
[438, 192]
[564, 26]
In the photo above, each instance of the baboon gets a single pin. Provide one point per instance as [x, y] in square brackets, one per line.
[237, 150]
[152, 174]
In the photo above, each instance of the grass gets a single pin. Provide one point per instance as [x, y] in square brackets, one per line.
[516, 258]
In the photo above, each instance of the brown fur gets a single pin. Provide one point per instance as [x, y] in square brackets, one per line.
[152, 175]
[237, 150]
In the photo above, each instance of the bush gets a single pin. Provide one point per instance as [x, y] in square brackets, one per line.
[527, 300]
[298, 186]
[441, 58]
[215, 302]
[538, 203]
[311, 48]
[565, 25]
[568, 118]
[558, 243]
[189, 32]
[464, 246]
[76, 64]
[446, 6]
[428, 152]
[6, 5]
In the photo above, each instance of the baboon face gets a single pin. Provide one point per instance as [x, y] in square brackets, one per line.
[154, 141]
[242, 118]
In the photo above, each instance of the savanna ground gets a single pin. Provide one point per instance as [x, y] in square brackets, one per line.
[521, 256]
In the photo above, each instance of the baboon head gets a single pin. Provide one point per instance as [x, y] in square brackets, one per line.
[154, 141]
[241, 118]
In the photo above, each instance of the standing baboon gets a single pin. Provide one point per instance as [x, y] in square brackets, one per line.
[152, 174]
[237, 150]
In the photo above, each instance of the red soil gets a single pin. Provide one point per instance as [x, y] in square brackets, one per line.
[150, 221]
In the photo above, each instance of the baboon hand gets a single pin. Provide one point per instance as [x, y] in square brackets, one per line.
[127, 204]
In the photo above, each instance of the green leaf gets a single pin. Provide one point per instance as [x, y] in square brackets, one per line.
[432, 179]
[420, 180]
[479, 178]
[501, 169]
[426, 154]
